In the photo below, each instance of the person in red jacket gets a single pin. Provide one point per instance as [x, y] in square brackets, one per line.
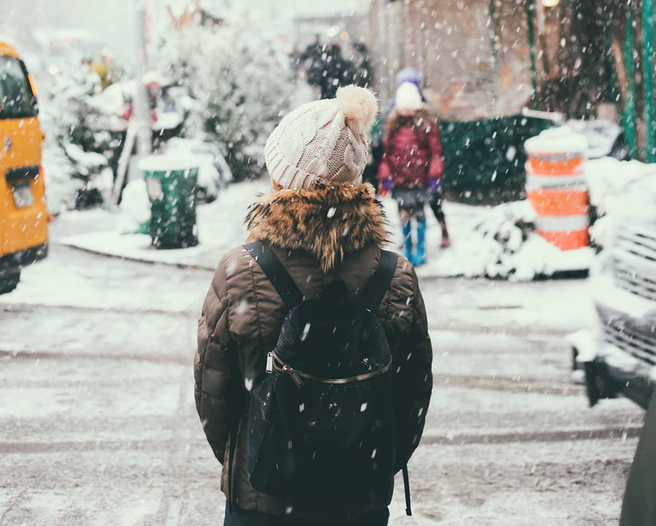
[413, 167]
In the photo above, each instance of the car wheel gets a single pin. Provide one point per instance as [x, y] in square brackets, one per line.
[9, 282]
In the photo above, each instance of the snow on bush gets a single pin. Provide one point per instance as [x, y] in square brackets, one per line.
[75, 141]
[72, 118]
[501, 245]
[240, 76]
[504, 244]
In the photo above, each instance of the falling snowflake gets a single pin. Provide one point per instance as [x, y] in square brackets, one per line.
[306, 331]
[511, 153]
[242, 307]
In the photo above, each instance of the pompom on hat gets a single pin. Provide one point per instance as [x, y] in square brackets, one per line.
[324, 141]
[408, 97]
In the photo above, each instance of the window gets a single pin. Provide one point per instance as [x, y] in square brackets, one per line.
[16, 98]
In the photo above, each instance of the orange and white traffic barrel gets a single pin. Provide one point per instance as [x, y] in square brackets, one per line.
[556, 187]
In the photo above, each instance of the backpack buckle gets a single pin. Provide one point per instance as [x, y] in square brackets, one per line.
[269, 363]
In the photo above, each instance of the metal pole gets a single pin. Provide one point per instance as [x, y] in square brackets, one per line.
[530, 8]
[630, 103]
[382, 53]
[648, 69]
[141, 110]
[494, 40]
[609, 62]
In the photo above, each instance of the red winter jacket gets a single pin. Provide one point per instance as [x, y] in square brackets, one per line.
[413, 152]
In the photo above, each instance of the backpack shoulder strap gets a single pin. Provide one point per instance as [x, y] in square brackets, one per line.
[276, 273]
[380, 281]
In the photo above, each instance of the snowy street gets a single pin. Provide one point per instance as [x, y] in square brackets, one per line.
[505, 150]
[509, 438]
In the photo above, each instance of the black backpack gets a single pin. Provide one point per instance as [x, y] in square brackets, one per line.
[321, 424]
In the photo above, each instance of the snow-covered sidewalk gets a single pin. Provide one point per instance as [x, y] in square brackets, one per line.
[486, 241]
[220, 227]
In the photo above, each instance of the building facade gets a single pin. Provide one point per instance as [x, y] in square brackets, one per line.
[474, 62]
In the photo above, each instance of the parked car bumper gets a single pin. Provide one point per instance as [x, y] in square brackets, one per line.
[13, 262]
[618, 357]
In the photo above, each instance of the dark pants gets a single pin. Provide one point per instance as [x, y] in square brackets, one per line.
[436, 204]
[238, 517]
[411, 202]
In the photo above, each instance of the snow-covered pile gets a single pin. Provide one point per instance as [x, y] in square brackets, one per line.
[502, 244]
[135, 210]
[615, 186]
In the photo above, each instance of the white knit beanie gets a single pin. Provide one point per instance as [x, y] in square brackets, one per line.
[408, 97]
[324, 141]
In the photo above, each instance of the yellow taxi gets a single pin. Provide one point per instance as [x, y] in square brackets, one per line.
[23, 214]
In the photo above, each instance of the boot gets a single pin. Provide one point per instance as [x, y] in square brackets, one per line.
[420, 256]
[446, 242]
[407, 240]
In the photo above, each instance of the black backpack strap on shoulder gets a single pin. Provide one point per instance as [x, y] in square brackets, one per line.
[276, 273]
[378, 284]
[406, 485]
[231, 460]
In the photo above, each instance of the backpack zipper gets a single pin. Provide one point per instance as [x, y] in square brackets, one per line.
[271, 358]
[294, 375]
[273, 362]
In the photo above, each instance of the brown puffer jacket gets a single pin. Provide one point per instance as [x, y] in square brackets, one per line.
[312, 232]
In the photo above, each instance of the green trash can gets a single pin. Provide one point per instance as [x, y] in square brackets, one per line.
[171, 183]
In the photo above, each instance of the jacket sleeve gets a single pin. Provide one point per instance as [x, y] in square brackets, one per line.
[216, 371]
[436, 169]
[414, 379]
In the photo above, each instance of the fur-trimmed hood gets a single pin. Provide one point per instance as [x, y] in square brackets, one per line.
[328, 221]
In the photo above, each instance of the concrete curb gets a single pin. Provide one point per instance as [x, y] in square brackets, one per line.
[133, 259]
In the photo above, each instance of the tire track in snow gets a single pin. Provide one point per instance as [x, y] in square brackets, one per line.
[508, 384]
[556, 435]
[429, 438]
[505, 384]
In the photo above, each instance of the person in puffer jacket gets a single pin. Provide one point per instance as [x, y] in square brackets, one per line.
[413, 167]
[319, 220]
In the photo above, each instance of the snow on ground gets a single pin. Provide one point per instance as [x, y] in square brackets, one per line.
[619, 191]
[220, 228]
[79, 280]
[499, 242]
[494, 242]
[486, 241]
